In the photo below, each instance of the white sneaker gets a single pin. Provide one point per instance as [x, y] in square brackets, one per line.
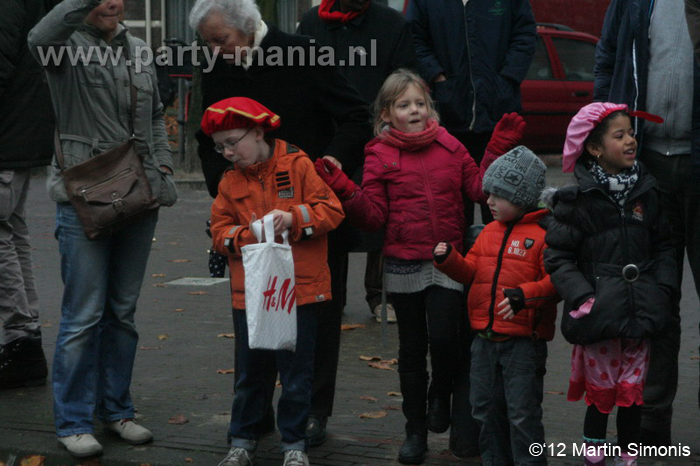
[81, 445]
[390, 313]
[295, 458]
[238, 457]
[130, 431]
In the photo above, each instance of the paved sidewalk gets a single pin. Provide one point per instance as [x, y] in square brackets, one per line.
[182, 350]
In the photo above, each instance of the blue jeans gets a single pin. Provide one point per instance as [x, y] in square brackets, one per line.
[506, 394]
[96, 343]
[296, 371]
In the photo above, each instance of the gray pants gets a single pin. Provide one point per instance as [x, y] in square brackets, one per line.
[506, 395]
[19, 303]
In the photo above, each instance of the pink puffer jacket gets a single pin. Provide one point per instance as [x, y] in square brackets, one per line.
[417, 196]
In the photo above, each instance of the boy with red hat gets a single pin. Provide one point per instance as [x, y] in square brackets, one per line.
[270, 176]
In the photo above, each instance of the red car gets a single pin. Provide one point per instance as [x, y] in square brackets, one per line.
[558, 83]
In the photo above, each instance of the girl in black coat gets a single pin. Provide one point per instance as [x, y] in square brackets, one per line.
[611, 258]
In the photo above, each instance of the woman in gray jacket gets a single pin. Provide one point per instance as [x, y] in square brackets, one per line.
[82, 46]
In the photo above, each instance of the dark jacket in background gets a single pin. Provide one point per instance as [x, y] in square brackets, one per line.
[484, 49]
[622, 65]
[26, 113]
[321, 112]
[382, 32]
[590, 239]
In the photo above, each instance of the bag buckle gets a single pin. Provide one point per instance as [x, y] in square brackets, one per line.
[630, 273]
[117, 203]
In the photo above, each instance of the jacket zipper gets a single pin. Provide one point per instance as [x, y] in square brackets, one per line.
[431, 200]
[494, 286]
[471, 77]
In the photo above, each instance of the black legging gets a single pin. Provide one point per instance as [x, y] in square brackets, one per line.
[629, 422]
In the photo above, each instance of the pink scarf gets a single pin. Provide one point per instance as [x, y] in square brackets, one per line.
[412, 141]
[325, 13]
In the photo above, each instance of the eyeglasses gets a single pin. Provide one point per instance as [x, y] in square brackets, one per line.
[220, 148]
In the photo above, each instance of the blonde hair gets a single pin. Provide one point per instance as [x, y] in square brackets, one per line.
[395, 85]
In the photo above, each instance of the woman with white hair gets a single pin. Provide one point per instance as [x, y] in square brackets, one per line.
[323, 115]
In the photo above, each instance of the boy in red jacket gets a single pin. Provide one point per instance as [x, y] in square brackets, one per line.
[512, 307]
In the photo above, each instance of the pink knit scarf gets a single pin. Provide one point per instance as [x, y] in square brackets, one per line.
[412, 141]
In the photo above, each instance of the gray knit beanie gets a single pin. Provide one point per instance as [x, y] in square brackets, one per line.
[517, 176]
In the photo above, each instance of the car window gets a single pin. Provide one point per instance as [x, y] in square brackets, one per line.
[540, 67]
[577, 57]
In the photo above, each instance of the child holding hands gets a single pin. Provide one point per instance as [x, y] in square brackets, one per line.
[415, 177]
[611, 258]
[270, 177]
[512, 306]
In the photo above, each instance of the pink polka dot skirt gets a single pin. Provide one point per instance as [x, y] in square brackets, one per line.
[610, 373]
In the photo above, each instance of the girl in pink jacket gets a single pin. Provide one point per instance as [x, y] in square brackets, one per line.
[415, 178]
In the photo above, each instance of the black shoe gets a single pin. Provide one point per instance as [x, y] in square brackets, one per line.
[413, 449]
[438, 414]
[463, 449]
[22, 363]
[316, 430]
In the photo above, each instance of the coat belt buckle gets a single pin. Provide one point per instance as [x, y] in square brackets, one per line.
[630, 273]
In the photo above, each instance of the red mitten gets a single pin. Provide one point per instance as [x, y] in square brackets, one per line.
[335, 178]
[508, 132]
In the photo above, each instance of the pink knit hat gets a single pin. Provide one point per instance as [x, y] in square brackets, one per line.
[583, 123]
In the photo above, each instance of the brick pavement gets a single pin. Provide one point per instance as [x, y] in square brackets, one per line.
[181, 352]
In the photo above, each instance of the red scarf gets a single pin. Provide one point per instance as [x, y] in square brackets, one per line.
[412, 141]
[325, 13]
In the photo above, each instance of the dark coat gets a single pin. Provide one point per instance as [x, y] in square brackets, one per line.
[26, 114]
[622, 66]
[484, 49]
[381, 31]
[590, 239]
[386, 37]
[321, 112]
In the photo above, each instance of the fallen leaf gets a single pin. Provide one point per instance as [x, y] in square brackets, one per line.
[394, 393]
[351, 326]
[178, 420]
[371, 358]
[391, 362]
[34, 460]
[552, 392]
[188, 460]
[390, 408]
[46, 325]
[179, 310]
[368, 398]
[164, 336]
[160, 285]
[148, 348]
[179, 260]
[373, 415]
[226, 371]
[379, 365]
[226, 335]
[196, 292]
[695, 358]
[158, 275]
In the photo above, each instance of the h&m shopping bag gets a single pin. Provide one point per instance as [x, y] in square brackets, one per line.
[270, 295]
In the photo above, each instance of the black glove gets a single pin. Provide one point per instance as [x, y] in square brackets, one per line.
[440, 258]
[516, 299]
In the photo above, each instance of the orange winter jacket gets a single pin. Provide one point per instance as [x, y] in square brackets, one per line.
[507, 256]
[287, 181]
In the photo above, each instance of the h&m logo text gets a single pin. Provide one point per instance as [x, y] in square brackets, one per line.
[275, 300]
